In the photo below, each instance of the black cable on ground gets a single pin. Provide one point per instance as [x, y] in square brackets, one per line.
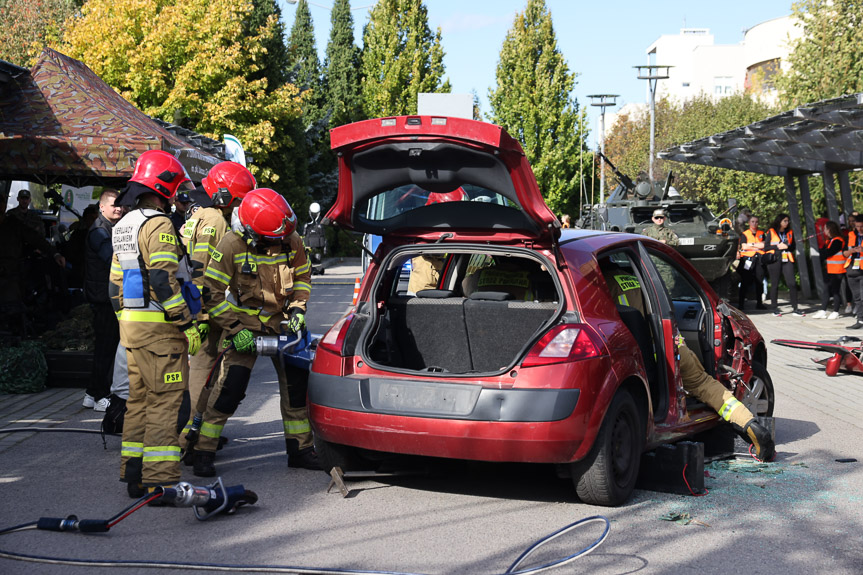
[298, 569]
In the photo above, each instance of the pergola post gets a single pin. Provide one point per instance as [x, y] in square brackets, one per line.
[830, 194]
[845, 189]
[814, 256]
[794, 214]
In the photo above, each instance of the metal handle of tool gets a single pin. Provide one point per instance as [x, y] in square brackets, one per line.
[272, 345]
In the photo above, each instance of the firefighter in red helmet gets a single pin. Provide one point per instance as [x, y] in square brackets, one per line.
[258, 276]
[226, 184]
[155, 302]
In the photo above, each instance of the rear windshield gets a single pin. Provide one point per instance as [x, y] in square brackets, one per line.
[396, 201]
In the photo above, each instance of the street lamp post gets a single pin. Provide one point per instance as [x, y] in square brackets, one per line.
[652, 73]
[602, 101]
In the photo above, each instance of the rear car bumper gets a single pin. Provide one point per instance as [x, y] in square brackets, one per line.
[441, 419]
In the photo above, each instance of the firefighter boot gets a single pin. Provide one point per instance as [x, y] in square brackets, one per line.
[305, 458]
[204, 464]
[759, 436]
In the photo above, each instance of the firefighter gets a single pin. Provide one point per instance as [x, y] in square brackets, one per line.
[625, 289]
[226, 184]
[262, 266]
[148, 272]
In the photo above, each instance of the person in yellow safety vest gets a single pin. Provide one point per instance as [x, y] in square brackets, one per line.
[151, 291]
[625, 289]
[831, 254]
[780, 241]
[854, 268]
[258, 276]
[749, 263]
[226, 184]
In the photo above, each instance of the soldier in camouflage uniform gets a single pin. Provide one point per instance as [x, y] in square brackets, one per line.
[658, 231]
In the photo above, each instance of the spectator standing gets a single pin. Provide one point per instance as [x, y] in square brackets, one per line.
[780, 241]
[854, 271]
[565, 221]
[98, 252]
[178, 216]
[25, 215]
[749, 267]
[658, 231]
[831, 254]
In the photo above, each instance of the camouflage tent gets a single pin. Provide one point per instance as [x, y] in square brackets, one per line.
[60, 123]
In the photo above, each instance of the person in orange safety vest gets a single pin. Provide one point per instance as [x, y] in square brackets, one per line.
[750, 267]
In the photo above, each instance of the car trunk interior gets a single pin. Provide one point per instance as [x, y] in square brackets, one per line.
[459, 312]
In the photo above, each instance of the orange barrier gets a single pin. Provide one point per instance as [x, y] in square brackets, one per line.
[356, 291]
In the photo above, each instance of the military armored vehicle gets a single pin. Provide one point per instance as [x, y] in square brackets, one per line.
[708, 241]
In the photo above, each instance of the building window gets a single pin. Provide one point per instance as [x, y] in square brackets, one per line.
[685, 84]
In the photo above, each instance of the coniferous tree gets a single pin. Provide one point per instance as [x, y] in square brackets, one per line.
[827, 61]
[532, 102]
[342, 68]
[401, 58]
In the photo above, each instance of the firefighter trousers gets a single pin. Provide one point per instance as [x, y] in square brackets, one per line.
[698, 383]
[230, 389]
[150, 452]
[200, 365]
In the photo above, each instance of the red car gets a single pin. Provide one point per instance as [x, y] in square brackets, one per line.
[503, 342]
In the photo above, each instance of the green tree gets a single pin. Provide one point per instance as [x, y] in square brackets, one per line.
[196, 61]
[303, 63]
[827, 60]
[342, 68]
[627, 145]
[401, 58]
[532, 101]
[26, 26]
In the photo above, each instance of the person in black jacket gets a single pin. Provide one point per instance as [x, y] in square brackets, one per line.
[97, 266]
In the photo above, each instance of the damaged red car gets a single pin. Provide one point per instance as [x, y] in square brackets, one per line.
[500, 341]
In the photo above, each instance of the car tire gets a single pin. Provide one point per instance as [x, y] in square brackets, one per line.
[344, 456]
[760, 397]
[608, 474]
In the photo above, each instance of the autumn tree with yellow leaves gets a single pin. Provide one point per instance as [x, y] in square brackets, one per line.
[197, 63]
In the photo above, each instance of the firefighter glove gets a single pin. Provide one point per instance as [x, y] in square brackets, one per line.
[204, 328]
[244, 341]
[297, 321]
[194, 338]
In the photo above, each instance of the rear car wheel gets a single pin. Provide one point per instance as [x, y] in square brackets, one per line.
[607, 476]
[759, 396]
[344, 456]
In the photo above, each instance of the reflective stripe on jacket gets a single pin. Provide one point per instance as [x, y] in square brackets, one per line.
[775, 239]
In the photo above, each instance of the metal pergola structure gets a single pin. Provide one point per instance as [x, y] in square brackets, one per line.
[823, 138]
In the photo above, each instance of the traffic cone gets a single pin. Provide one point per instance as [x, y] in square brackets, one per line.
[356, 291]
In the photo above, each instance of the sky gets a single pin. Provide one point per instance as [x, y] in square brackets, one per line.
[600, 42]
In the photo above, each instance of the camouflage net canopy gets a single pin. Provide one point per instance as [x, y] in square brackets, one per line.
[23, 368]
[75, 333]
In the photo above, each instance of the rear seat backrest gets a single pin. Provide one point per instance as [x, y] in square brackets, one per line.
[497, 330]
[431, 332]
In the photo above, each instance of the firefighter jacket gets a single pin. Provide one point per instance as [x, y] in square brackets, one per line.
[751, 238]
[201, 234]
[148, 266]
[255, 287]
[786, 238]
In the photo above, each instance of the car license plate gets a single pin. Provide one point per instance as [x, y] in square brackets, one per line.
[426, 399]
[687, 241]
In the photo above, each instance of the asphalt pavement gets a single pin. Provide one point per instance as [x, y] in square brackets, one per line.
[799, 515]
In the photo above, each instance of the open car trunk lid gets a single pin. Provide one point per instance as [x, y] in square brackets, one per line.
[416, 175]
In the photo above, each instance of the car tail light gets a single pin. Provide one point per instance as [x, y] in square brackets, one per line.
[563, 343]
[334, 340]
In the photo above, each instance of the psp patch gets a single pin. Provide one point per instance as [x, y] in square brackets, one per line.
[208, 231]
[174, 377]
[627, 282]
[168, 239]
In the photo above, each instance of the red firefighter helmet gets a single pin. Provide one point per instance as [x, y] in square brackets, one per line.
[226, 181]
[267, 214]
[159, 171]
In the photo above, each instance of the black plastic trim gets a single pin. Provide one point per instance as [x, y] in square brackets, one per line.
[440, 400]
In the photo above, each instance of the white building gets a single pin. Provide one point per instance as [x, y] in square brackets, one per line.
[698, 65]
